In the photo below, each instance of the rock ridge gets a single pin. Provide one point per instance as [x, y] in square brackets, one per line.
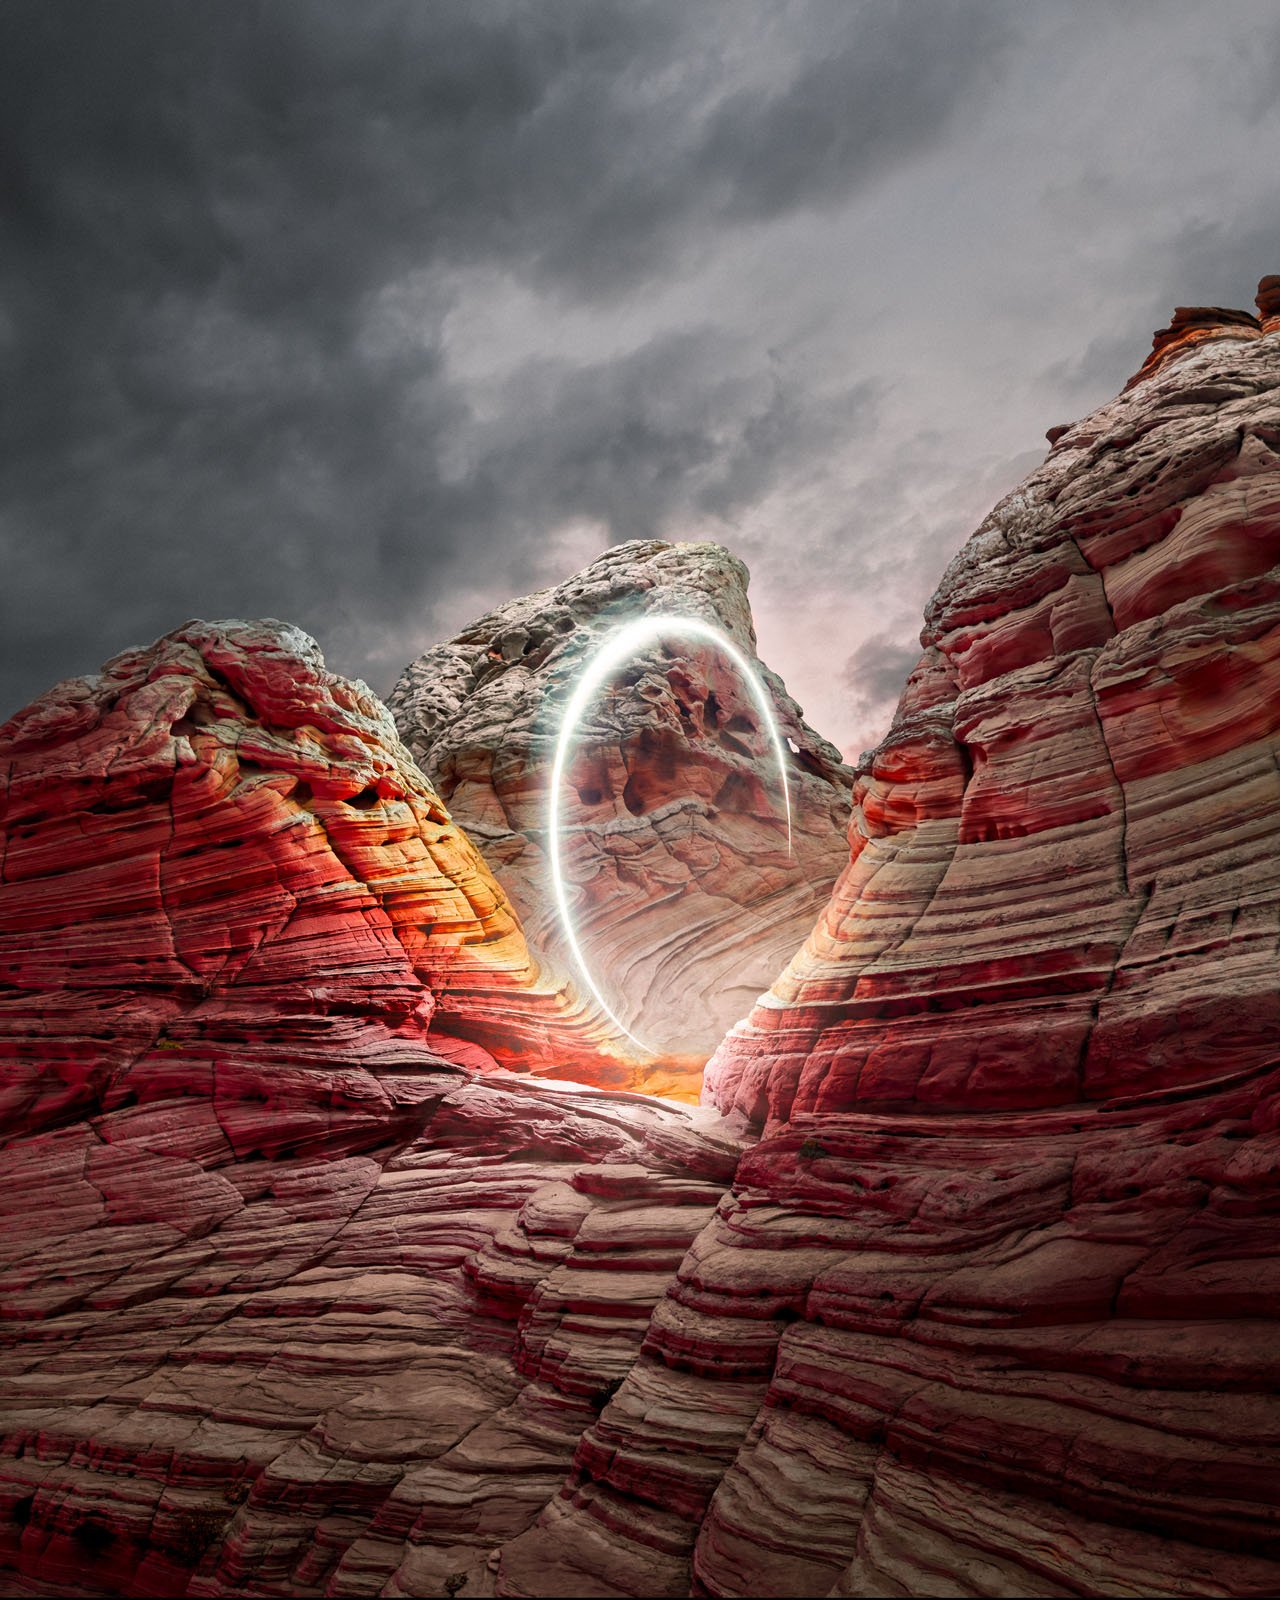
[1033, 912]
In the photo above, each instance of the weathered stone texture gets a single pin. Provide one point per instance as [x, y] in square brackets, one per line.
[686, 899]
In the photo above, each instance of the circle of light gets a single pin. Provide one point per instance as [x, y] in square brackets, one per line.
[617, 648]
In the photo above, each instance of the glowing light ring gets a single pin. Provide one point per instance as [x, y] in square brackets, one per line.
[617, 648]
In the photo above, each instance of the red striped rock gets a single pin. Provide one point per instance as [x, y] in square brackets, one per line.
[1192, 325]
[239, 1376]
[284, 1253]
[686, 900]
[1064, 875]
[220, 865]
[989, 1310]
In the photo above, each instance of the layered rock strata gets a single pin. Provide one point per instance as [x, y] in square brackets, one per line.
[989, 1310]
[1010, 1353]
[686, 900]
[286, 1257]
[353, 1370]
[1064, 876]
[216, 852]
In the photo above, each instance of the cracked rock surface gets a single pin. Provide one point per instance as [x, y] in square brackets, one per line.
[686, 901]
[217, 856]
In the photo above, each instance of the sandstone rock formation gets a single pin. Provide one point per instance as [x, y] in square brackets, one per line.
[218, 849]
[1009, 1253]
[1064, 882]
[231, 1370]
[989, 1309]
[284, 1253]
[688, 902]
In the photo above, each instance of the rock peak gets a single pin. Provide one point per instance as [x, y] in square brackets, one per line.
[675, 815]
[1268, 303]
[1191, 326]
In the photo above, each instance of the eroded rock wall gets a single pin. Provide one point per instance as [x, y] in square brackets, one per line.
[686, 900]
[1064, 880]
[217, 857]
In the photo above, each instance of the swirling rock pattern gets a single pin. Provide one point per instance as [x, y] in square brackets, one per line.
[324, 1372]
[217, 857]
[989, 1309]
[1064, 880]
[286, 1254]
[688, 903]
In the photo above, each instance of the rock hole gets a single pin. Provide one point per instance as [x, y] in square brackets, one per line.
[302, 793]
[590, 797]
[93, 1538]
[728, 742]
[633, 796]
[602, 1396]
[364, 801]
[736, 793]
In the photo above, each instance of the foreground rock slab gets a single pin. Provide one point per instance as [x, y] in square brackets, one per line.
[333, 1373]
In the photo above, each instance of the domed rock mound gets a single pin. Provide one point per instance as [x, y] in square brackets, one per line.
[1064, 882]
[215, 853]
[686, 900]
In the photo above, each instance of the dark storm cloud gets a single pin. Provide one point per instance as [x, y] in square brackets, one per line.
[369, 315]
[206, 411]
[877, 671]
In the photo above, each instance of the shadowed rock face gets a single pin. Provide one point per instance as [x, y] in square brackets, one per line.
[686, 899]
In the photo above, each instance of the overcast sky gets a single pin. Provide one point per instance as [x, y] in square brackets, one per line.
[369, 315]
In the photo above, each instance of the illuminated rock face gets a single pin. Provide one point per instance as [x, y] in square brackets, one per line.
[687, 903]
[218, 859]
[1064, 881]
